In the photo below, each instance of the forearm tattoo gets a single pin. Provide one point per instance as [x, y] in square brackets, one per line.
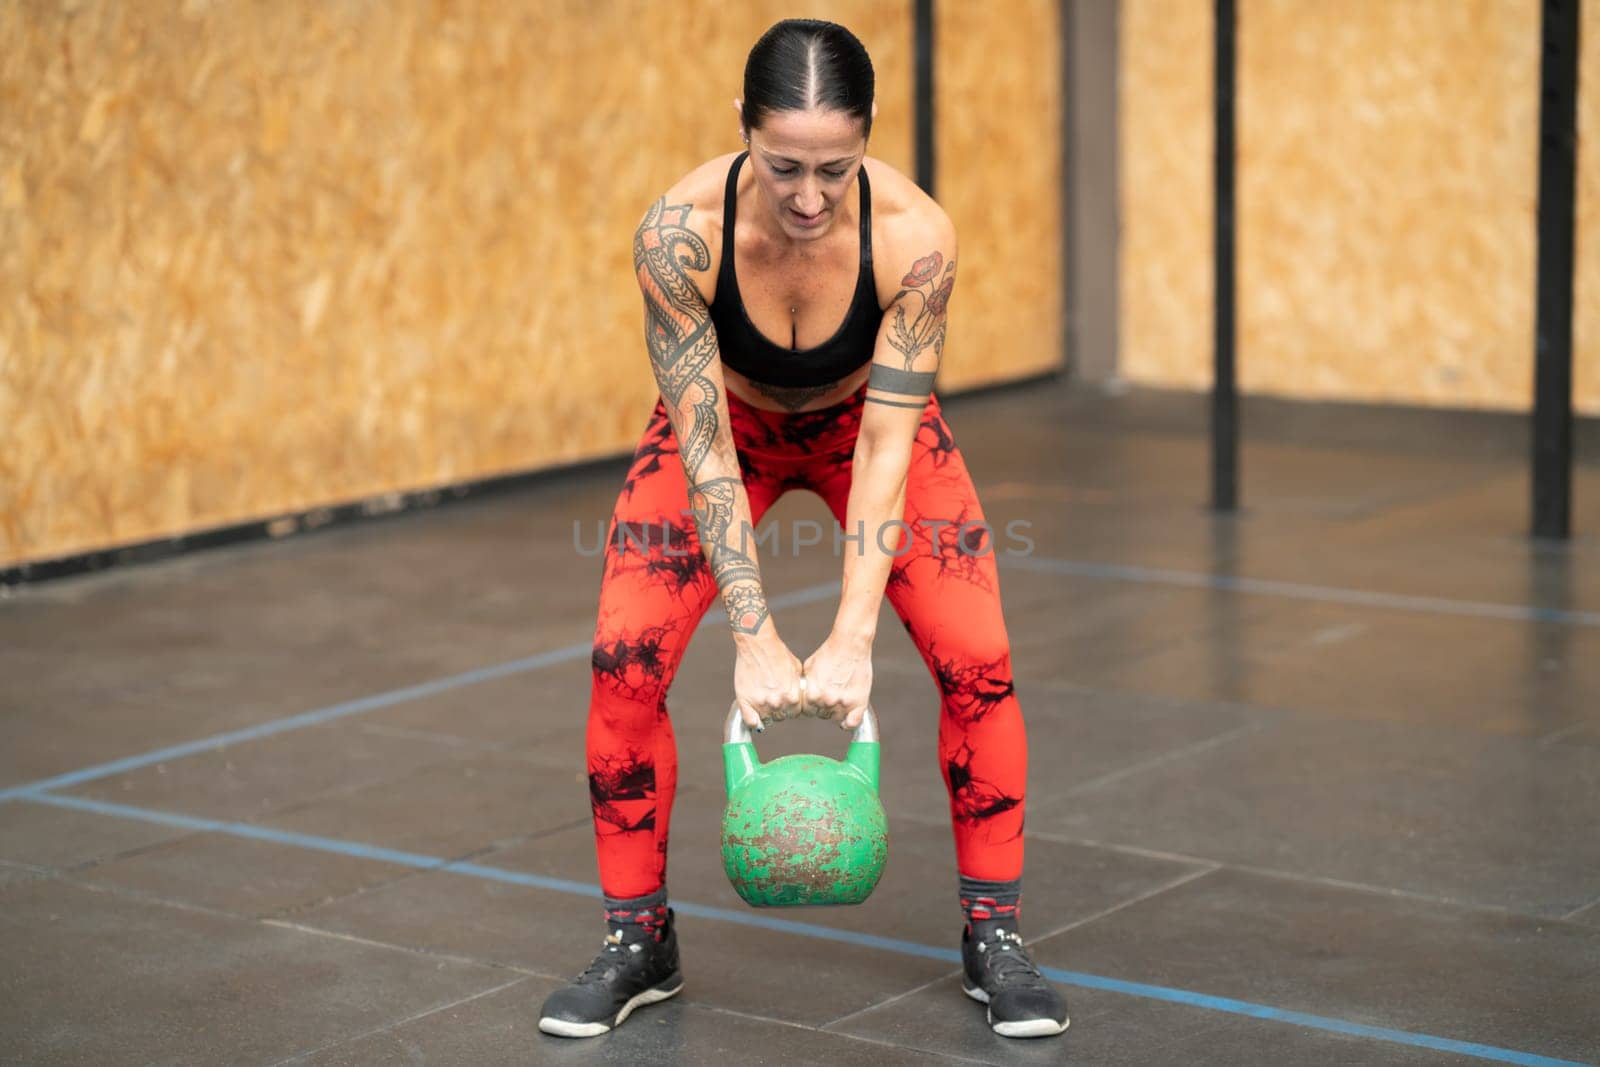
[713, 513]
[747, 608]
[931, 280]
[683, 343]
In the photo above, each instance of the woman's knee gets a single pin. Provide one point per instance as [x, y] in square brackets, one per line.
[633, 671]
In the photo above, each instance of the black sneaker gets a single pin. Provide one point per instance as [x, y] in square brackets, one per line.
[999, 973]
[634, 969]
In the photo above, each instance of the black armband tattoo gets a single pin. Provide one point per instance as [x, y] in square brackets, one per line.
[903, 382]
[916, 405]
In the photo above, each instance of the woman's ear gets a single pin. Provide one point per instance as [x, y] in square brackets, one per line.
[744, 131]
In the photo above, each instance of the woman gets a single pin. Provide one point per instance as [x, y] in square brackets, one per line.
[795, 303]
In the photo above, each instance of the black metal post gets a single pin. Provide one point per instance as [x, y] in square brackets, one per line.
[1224, 391]
[922, 47]
[1558, 153]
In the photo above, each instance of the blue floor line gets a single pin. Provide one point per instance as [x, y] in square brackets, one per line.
[360, 706]
[1325, 594]
[802, 929]
[295, 722]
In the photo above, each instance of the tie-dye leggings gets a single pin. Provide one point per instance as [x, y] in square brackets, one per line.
[657, 587]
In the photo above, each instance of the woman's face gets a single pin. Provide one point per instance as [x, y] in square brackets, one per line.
[804, 162]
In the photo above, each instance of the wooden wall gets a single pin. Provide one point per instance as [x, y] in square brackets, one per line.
[258, 258]
[1387, 182]
[998, 155]
[1586, 292]
[1164, 165]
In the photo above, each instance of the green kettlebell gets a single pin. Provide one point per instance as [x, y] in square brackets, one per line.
[803, 829]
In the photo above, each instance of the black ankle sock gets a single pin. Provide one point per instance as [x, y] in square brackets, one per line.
[990, 906]
[646, 914]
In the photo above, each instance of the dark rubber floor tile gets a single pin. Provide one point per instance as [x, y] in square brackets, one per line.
[1467, 974]
[96, 978]
[1471, 817]
[502, 1028]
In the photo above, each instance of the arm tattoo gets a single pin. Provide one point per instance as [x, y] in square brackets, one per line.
[736, 574]
[902, 382]
[927, 282]
[914, 405]
[713, 513]
[747, 608]
[683, 343]
[678, 328]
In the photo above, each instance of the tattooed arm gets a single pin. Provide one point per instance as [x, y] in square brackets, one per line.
[910, 344]
[668, 254]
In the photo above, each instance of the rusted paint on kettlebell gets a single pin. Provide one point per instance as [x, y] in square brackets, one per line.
[803, 829]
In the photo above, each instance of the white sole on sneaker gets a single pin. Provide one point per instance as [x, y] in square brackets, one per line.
[1029, 1028]
[1018, 1028]
[563, 1028]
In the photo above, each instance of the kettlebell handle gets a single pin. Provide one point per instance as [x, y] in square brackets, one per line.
[738, 733]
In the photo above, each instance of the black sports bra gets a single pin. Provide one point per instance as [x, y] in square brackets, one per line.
[747, 351]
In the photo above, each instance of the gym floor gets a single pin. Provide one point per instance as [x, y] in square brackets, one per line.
[1314, 784]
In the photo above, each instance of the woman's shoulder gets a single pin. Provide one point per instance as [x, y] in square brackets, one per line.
[895, 195]
[687, 220]
[906, 222]
[700, 191]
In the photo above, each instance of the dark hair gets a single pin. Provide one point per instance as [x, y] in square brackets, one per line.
[806, 63]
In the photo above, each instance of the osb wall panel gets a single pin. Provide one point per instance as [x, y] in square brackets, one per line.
[1387, 177]
[259, 257]
[1586, 292]
[998, 153]
[1387, 183]
[1164, 167]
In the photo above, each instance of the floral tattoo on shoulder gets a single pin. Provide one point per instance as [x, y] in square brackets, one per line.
[932, 280]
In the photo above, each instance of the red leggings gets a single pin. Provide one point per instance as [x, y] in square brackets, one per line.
[657, 587]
